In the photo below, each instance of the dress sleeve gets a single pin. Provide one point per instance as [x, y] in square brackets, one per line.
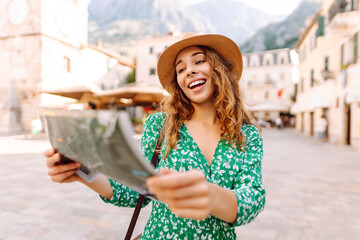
[124, 196]
[151, 133]
[248, 186]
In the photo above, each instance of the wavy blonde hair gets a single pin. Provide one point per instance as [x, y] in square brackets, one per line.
[229, 107]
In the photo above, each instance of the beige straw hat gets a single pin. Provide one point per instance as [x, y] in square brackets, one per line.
[226, 47]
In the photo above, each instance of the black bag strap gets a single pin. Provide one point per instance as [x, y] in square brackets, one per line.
[142, 197]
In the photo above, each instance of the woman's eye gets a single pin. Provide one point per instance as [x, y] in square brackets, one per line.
[181, 70]
[200, 61]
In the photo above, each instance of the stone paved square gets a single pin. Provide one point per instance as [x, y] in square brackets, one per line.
[312, 193]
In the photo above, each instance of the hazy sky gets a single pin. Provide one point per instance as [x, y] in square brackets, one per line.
[275, 7]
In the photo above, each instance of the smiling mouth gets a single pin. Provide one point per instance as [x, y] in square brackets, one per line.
[196, 84]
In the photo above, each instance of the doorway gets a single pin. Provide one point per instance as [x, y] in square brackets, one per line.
[311, 123]
[326, 114]
[302, 119]
[348, 124]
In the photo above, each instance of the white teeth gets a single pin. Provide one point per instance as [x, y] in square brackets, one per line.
[196, 83]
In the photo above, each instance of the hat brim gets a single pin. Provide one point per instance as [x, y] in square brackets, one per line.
[226, 47]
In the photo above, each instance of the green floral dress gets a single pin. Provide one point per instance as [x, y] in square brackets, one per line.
[230, 168]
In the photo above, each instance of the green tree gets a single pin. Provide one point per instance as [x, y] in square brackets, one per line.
[131, 77]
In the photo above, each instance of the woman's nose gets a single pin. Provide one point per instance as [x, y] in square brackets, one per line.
[190, 70]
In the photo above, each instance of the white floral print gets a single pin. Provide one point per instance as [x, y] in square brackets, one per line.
[231, 168]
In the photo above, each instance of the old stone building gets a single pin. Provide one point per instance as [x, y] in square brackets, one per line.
[148, 53]
[44, 46]
[330, 72]
[269, 82]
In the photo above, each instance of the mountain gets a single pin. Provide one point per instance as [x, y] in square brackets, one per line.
[283, 34]
[119, 23]
[233, 18]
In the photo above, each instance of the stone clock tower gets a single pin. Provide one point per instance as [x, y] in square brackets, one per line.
[40, 46]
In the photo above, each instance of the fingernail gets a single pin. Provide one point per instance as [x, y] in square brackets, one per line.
[77, 164]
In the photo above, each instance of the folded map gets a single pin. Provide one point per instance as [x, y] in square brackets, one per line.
[102, 141]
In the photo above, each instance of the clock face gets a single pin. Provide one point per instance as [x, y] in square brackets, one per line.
[18, 11]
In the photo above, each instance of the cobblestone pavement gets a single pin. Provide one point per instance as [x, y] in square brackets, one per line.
[312, 193]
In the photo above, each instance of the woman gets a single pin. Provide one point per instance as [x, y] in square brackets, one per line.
[210, 164]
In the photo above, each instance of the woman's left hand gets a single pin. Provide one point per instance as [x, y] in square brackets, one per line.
[187, 194]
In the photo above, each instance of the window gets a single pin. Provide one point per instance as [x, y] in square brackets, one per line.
[268, 59]
[66, 64]
[282, 76]
[321, 26]
[268, 79]
[342, 56]
[245, 64]
[354, 5]
[152, 71]
[151, 50]
[254, 61]
[302, 84]
[350, 52]
[312, 78]
[326, 64]
[356, 47]
[266, 95]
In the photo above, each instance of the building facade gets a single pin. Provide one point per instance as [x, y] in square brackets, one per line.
[330, 73]
[43, 46]
[268, 82]
[148, 53]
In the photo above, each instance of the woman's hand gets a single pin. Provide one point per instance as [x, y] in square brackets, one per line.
[61, 173]
[188, 195]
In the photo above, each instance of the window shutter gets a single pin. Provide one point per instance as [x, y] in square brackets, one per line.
[342, 56]
[356, 47]
[320, 30]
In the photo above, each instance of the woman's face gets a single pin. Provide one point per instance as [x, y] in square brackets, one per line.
[193, 74]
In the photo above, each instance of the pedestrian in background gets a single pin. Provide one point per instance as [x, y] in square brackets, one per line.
[321, 127]
[279, 123]
[90, 106]
[209, 168]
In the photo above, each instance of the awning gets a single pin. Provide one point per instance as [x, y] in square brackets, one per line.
[352, 93]
[316, 97]
[78, 92]
[135, 93]
[128, 95]
[270, 107]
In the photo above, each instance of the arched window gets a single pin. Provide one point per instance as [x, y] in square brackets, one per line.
[282, 58]
[254, 60]
[268, 59]
[245, 63]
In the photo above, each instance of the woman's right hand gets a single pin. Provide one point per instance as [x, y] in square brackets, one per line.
[61, 173]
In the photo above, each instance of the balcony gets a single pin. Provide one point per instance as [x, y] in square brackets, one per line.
[327, 75]
[343, 14]
[266, 83]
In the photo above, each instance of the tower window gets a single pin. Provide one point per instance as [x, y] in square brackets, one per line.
[67, 64]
